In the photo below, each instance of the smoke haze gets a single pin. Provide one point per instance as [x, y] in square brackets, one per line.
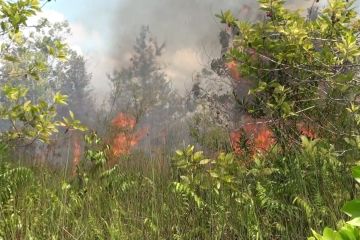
[188, 27]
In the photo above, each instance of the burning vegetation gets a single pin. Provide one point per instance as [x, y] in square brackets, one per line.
[77, 151]
[255, 136]
[227, 161]
[127, 137]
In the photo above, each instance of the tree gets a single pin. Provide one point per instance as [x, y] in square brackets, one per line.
[143, 86]
[142, 89]
[305, 71]
[68, 76]
[28, 116]
[74, 81]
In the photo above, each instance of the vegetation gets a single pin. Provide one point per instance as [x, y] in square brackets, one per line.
[350, 229]
[278, 163]
[143, 89]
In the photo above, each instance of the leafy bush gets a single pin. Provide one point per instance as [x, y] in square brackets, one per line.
[304, 71]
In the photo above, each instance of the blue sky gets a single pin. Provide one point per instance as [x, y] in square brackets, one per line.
[94, 15]
[92, 12]
[91, 22]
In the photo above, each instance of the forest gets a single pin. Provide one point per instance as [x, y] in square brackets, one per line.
[264, 144]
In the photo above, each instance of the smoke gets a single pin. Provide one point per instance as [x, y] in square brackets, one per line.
[188, 27]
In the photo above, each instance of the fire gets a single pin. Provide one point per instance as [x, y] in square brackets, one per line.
[123, 143]
[127, 138]
[234, 71]
[76, 152]
[306, 130]
[235, 139]
[124, 121]
[259, 138]
[233, 66]
[264, 140]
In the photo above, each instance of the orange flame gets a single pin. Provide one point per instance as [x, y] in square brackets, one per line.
[233, 66]
[235, 138]
[125, 141]
[306, 130]
[259, 137]
[76, 152]
[234, 71]
[124, 121]
[264, 140]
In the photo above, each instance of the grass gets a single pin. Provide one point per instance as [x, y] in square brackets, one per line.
[276, 197]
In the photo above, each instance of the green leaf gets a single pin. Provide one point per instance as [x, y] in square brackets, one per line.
[72, 114]
[213, 174]
[51, 50]
[349, 232]
[330, 234]
[198, 156]
[205, 161]
[60, 99]
[18, 38]
[179, 153]
[11, 58]
[355, 222]
[356, 173]
[352, 208]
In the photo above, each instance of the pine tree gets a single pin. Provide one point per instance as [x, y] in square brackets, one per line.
[142, 89]
[74, 81]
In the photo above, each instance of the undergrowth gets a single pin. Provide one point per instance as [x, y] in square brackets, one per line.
[276, 197]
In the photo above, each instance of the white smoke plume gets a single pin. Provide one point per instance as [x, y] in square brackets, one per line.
[188, 27]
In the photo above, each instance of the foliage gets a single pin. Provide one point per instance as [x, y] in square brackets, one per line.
[73, 79]
[303, 70]
[143, 88]
[96, 151]
[203, 198]
[28, 117]
[272, 192]
[207, 134]
[351, 229]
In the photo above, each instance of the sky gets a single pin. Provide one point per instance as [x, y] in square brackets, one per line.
[94, 14]
[90, 22]
[104, 32]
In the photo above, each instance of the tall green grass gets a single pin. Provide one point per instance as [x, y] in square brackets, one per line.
[278, 196]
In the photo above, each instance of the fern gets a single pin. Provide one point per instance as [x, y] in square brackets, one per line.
[305, 205]
[266, 200]
[186, 192]
[11, 180]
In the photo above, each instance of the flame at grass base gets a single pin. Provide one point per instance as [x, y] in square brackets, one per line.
[128, 137]
[256, 137]
[77, 152]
